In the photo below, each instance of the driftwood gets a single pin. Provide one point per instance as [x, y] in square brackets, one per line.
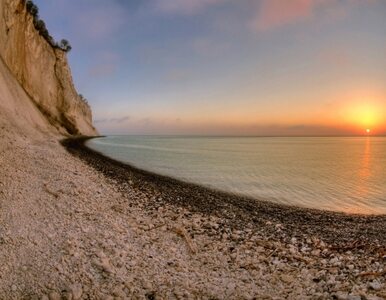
[52, 193]
[375, 274]
[182, 233]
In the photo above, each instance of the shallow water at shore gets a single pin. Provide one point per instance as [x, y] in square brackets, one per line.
[339, 174]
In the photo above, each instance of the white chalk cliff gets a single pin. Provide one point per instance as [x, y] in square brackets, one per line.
[36, 85]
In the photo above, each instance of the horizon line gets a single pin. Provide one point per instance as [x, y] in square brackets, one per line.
[233, 135]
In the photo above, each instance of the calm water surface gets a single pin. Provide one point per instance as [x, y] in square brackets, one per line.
[340, 174]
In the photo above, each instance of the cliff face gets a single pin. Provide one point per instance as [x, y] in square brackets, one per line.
[42, 71]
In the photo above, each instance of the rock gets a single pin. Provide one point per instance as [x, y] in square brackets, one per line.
[54, 296]
[279, 226]
[14, 288]
[335, 262]
[292, 249]
[286, 278]
[341, 295]
[104, 265]
[375, 285]
[118, 292]
[67, 295]
[354, 297]
[331, 280]
[44, 297]
[373, 298]
[315, 252]
[76, 291]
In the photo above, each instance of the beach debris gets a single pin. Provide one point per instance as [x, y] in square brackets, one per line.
[179, 230]
[49, 191]
[375, 274]
[155, 227]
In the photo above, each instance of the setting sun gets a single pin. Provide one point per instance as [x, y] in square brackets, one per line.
[365, 115]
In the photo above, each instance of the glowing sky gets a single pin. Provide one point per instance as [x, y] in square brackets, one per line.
[250, 67]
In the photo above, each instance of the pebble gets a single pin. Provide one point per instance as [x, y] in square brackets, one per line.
[54, 296]
[76, 291]
[375, 285]
[287, 278]
[341, 295]
[354, 297]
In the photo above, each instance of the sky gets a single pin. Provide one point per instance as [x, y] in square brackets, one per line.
[227, 67]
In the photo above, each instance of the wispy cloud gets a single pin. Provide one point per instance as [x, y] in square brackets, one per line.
[114, 120]
[100, 20]
[276, 13]
[273, 14]
[186, 7]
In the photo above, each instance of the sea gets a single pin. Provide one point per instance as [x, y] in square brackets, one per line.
[343, 174]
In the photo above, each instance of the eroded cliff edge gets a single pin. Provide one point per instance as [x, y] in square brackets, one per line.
[42, 71]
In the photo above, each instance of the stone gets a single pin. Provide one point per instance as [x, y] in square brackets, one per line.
[315, 252]
[372, 297]
[76, 291]
[375, 285]
[341, 295]
[286, 278]
[354, 297]
[54, 296]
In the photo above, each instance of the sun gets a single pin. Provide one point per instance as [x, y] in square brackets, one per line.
[364, 114]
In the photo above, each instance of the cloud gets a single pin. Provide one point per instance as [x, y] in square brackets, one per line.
[276, 13]
[185, 7]
[272, 14]
[114, 120]
[100, 20]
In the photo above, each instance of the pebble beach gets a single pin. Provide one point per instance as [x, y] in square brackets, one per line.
[77, 225]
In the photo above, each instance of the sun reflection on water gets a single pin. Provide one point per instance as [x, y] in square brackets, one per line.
[362, 189]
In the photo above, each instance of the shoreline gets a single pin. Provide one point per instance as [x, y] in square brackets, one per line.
[237, 212]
